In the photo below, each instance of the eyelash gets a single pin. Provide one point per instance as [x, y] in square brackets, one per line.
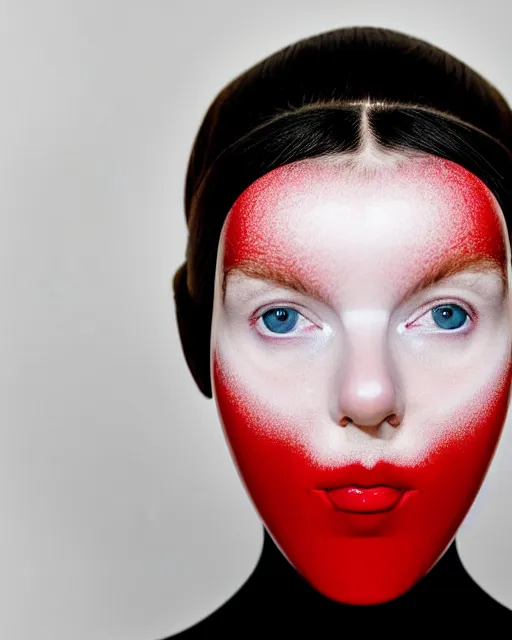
[266, 333]
[464, 329]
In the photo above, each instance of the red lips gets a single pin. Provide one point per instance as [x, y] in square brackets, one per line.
[355, 499]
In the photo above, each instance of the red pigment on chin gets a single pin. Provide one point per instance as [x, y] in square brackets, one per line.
[357, 559]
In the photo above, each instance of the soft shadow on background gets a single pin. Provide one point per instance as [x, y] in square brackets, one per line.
[122, 517]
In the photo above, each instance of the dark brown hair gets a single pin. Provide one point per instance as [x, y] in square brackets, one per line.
[310, 99]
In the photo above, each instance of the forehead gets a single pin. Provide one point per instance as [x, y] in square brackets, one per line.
[325, 212]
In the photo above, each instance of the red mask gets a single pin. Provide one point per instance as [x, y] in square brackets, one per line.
[361, 362]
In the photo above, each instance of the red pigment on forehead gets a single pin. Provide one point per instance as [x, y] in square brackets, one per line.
[479, 229]
[245, 228]
[257, 228]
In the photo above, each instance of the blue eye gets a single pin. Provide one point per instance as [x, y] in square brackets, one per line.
[449, 316]
[280, 320]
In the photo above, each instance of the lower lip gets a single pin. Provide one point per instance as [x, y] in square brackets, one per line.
[378, 499]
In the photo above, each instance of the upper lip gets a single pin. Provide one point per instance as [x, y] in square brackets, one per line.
[355, 475]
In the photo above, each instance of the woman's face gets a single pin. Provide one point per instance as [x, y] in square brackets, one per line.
[361, 362]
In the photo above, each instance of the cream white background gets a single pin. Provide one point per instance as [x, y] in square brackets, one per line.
[122, 516]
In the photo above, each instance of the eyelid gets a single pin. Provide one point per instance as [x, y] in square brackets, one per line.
[267, 334]
[430, 306]
[306, 313]
[485, 284]
[243, 290]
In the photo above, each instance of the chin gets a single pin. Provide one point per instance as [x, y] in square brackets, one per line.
[362, 568]
[366, 579]
[377, 592]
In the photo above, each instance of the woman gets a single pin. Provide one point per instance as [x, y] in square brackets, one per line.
[346, 300]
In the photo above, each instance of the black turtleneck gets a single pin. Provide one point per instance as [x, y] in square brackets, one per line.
[276, 602]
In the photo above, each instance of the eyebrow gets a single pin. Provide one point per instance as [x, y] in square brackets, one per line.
[456, 265]
[452, 266]
[260, 271]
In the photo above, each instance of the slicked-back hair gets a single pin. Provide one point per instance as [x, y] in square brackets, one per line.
[321, 96]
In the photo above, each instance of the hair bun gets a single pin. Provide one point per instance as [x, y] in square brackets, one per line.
[193, 333]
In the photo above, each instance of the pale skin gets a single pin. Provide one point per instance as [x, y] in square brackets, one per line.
[360, 242]
[361, 353]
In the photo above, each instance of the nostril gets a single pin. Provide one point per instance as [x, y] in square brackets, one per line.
[394, 420]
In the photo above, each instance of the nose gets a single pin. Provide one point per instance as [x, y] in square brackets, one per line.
[369, 396]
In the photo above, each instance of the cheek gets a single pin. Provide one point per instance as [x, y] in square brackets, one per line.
[453, 391]
[282, 398]
[463, 445]
[474, 418]
[266, 441]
